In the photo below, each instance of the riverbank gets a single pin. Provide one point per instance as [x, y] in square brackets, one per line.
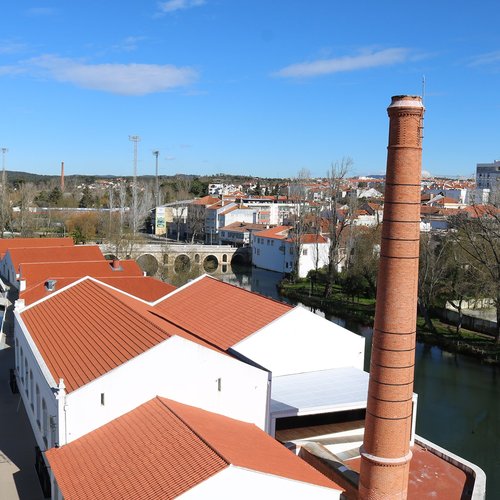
[362, 310]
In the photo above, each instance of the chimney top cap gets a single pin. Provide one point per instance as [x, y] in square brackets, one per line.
[406, 101]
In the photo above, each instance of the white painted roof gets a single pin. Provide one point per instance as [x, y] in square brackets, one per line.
[307, 393]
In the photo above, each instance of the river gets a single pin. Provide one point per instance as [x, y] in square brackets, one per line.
[458, 396]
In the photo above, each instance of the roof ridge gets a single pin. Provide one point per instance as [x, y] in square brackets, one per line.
[250, 291]
[196, 433]
[159, 315]
[105, 288]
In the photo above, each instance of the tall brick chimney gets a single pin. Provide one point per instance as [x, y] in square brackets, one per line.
[385, 454]
[62, 177]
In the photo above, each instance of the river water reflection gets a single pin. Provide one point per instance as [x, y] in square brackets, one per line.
[458, 397]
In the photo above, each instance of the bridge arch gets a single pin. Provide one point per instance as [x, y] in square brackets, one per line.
[182, 263]
[210, 263]
[148, 263]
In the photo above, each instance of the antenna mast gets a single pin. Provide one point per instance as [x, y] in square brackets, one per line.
[4, 173]
[3, 202]
[135, 139]
[156, 153]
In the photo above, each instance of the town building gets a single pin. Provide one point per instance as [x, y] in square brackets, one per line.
[239, 233]
[276, 249]
[488, 176]
[190, 453]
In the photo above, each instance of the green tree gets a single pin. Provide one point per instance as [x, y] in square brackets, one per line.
[199, 188]
[55, 197]
[477, 233]
[87, 200]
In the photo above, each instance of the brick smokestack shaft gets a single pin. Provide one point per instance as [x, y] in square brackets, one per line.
[62, 177]
[385, 454]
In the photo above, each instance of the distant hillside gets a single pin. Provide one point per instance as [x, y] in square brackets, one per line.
[17, 177]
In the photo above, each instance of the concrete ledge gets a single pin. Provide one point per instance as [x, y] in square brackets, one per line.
[479, 487]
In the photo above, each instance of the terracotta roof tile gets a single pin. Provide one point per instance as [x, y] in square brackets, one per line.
[163, 449]
[278, 232]
[7, 243]
[245, 445]
[241, 227]
[220, 313]
[206, 200]
[55, 254]
[36, 272]
[148, 453]
[144, 287]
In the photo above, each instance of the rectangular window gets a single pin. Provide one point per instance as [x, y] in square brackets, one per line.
[268, 242]
[102, 398]
[272, 243]
[38, 410]
[258, 251]
[304, 252]
[32, 395]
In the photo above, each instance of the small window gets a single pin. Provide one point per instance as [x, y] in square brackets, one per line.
[45, 423]
[286, 265]
[304, 252]
[272, 243]
[32, 391]
[38, 410]
[258, 251]
[102, 398]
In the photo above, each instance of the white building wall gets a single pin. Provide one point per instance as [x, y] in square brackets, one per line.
[240, 215]
[176, 369]
[8, 271]
[237, 482]
[278, 255]
[312, 256]
[27, 356]
[269, 253]
[301, 341]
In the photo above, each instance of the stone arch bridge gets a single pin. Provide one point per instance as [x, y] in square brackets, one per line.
[181, 257]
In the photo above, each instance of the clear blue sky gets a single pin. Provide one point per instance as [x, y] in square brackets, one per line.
[263, 87]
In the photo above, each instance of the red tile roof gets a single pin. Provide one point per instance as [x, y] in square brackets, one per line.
[220, 313]
[55, 254]
[68, 330]
[206, 201]
[163, 449]
[311, 238]
[36, 272]
[148, 453]
[245, 445]
[278, 232]
[7, 243]
[145, 287]
[242, 227]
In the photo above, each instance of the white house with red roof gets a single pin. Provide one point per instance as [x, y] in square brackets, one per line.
[109, 352]
[275, 249]
[165, 449]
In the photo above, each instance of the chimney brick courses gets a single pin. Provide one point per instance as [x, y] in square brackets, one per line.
[385, 454]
